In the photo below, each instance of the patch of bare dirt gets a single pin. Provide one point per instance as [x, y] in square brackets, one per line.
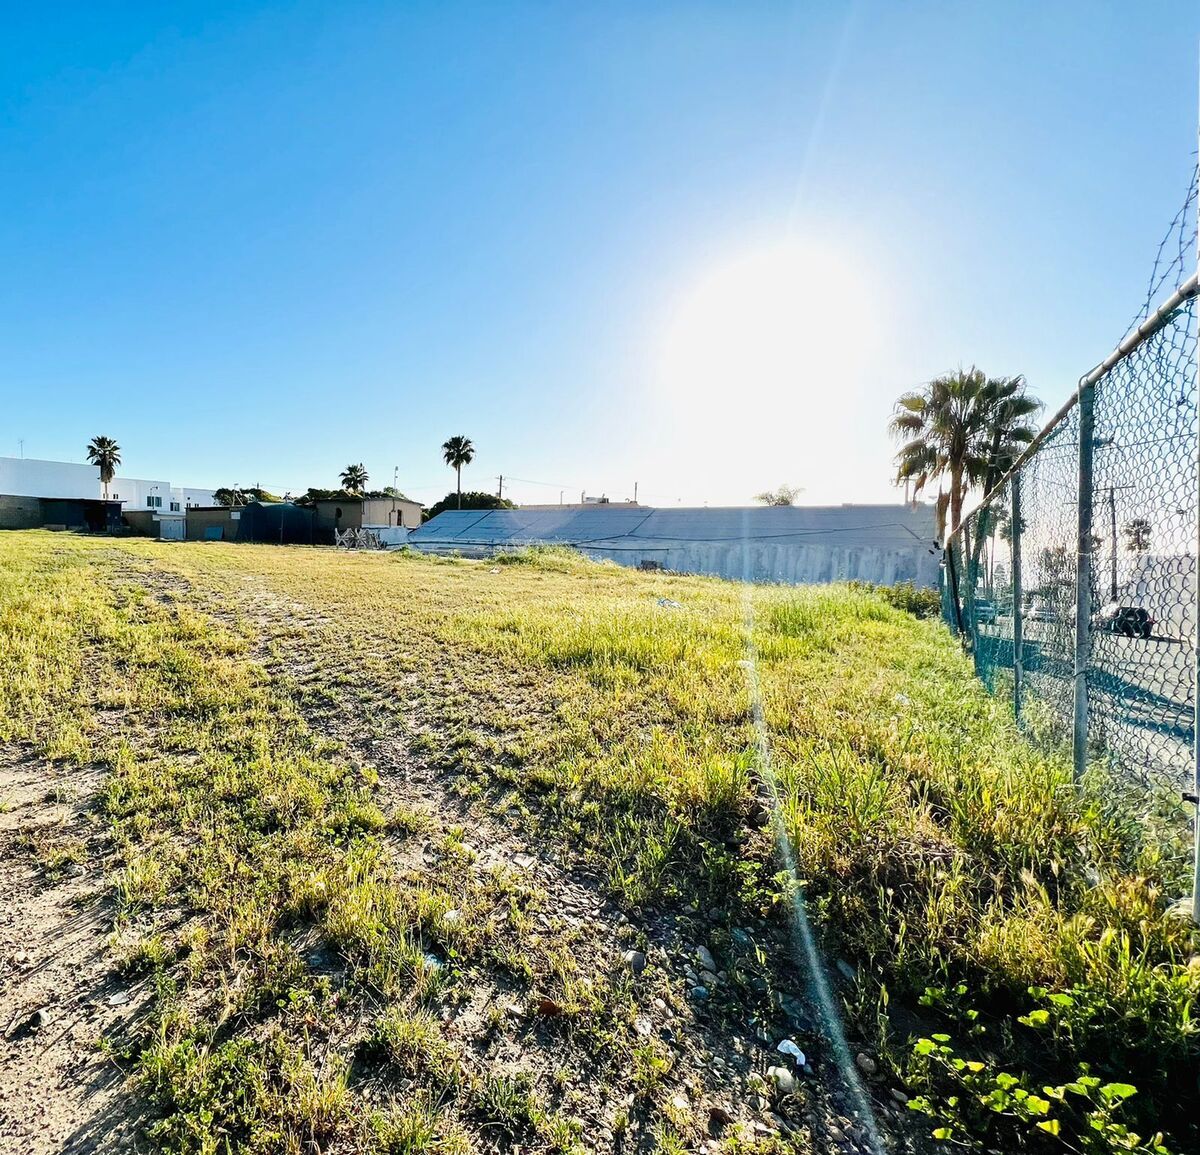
[58, 994]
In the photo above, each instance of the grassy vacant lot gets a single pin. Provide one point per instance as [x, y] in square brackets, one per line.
[384, 841]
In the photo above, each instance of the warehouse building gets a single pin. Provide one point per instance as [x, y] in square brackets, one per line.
[69, 493]
[885, 544]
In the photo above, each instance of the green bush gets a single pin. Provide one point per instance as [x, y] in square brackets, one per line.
[920, 602]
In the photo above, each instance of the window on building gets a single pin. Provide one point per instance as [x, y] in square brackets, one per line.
[154, 502]
[174, 507]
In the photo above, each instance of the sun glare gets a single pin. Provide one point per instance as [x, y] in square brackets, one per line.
[766, 327]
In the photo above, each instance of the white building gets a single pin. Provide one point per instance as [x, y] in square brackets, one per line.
[29, 477]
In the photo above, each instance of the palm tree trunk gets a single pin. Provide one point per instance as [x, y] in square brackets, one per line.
[956, 496]
[458, 476]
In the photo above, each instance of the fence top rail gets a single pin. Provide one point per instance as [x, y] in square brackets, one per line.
[1157, 320]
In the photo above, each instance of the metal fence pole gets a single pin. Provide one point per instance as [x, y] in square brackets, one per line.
[1083, 572]
[1196, 705]
[1018, 625]
[1196, 666]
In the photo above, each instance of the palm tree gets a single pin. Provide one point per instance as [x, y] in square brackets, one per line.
[106, 453]
[1137, 535]
[966, 428]
[457, 452]
[354, 478]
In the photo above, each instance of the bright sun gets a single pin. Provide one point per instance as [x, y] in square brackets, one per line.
[767, 328]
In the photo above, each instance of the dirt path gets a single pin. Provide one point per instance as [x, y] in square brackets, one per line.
[58, 993]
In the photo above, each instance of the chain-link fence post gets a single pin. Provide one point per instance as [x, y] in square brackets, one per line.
[1083, 571]
[1017, 590]
[1196, 643]
[1196, 703]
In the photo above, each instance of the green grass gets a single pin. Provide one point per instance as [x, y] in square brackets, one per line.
[986, 898]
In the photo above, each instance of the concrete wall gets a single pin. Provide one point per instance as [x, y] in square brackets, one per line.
[787, 564]
[187, 496]
[18, 512]
[200, 519]
[358, 513]
[151, 523]
[29, 477]
[388, 511]
[332, 515]
[132, 493]
[392, 535]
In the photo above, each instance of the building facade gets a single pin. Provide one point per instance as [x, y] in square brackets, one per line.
[364, 513]
[155, 501]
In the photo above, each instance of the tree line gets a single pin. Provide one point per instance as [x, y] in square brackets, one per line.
[457, 452]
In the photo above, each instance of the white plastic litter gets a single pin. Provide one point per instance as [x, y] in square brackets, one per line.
[789, 1047]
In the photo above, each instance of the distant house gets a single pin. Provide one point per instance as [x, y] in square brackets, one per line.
[794, 544]
[378, 513]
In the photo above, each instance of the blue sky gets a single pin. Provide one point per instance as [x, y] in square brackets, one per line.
[697, 246]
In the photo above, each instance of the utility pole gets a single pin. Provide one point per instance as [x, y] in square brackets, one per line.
[500, 487]
[1112, 518]
[635, 485]
[21, 443]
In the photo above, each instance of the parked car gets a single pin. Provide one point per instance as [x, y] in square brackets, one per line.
[1131, 621]
[985, 611]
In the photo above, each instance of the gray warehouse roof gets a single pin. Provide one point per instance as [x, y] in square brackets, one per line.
[768, 543]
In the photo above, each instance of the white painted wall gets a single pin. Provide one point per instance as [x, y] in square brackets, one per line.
[132, 493]
[187, 495]
[30, 477]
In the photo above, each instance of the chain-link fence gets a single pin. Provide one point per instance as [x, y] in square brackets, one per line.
[1074, 582]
